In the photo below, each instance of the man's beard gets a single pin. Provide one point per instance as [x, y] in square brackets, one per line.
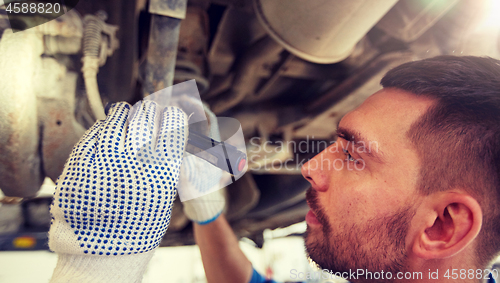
[378, 245]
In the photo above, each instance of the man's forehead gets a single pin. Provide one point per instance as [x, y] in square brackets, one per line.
[386, 116]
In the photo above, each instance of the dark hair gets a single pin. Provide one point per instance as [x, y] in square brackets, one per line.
[458, 139]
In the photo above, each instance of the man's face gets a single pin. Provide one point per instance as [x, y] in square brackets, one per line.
[363, 191]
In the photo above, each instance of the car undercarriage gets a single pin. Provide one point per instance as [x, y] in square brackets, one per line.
[287, 70]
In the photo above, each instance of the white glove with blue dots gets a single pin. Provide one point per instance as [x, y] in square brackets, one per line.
[113, 201]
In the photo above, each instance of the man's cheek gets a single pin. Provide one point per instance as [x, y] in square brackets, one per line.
[352, 198]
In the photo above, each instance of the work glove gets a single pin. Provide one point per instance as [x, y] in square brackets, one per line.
[200, 182]
[113, 201]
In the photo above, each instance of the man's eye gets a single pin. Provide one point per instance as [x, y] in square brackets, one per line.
[349, 156]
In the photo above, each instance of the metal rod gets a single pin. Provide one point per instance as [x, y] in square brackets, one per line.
[162, 53]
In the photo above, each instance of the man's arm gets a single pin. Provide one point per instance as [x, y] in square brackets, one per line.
[222, 257]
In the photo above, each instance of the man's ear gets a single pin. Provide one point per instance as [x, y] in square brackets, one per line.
[452, 221]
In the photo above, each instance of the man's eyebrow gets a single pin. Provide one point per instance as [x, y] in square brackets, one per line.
[358, 140]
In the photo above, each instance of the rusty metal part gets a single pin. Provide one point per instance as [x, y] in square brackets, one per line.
[20, 164]
[62, 45]
[184, 73]
[264, 90]
[37, 124]
[59, 129]
[24, 73]
[218, 85]
[192, 49]
[237, 30]
[168, 8]
[67, 25]
[193, 38]
[244, 81]
[163, 41]
[162, 53]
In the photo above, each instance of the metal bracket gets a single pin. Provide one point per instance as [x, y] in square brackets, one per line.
[170, 8]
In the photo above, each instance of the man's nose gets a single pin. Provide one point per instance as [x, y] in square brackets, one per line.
[316, 172]
[306, 171]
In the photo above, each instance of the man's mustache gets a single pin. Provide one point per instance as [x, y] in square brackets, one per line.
[313, 202]
[312, 199]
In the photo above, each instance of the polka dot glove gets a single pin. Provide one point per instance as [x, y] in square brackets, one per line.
[198, 177]
[113, 201]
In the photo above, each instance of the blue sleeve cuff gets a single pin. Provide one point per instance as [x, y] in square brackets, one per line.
[209, 220]
[258, 278]
[491, 279]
